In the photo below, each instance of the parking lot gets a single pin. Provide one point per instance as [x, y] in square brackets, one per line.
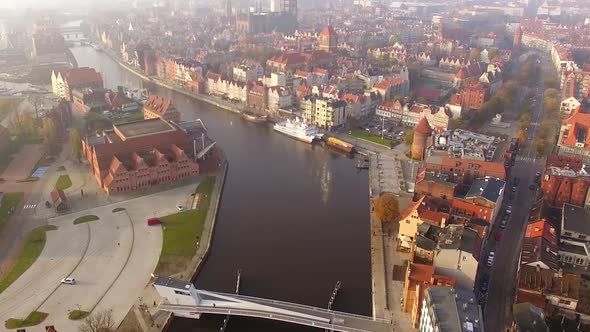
[110, 258]
[390, 129]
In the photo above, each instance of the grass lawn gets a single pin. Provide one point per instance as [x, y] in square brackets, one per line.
[32, 250]
[119, 209]
[363, 134]
[63, 182]
[9, 203]
[182, 231]
[78, 314]
[34, 318]
[84, 219]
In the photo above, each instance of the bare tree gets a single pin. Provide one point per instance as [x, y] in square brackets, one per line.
[101, 321]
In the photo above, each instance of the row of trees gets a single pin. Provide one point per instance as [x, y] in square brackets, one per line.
[28, 130]
[549, 125]
[503, 100]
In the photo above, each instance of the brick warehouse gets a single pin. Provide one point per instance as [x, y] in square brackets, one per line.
[144, 153]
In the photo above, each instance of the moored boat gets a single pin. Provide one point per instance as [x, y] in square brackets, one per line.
[298, 130]
[340, 145]
[253, 117]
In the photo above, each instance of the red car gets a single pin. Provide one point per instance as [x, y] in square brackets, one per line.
[498, 236]
[153, 221]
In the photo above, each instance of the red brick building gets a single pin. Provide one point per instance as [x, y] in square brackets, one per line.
[422, 137]
[467, 170]
[160, 107]
[565, 181]
[472, 96]
[258, 98]
[328, 39]
[140, 154]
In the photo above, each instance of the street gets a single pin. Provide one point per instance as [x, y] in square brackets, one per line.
[503, 274]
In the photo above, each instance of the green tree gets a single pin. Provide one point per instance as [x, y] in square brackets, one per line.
[76, 144]
[49, 135]
[387, 207]
[540, 147]
[409, 138]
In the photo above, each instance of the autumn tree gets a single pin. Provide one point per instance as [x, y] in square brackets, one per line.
[474, 54]
[409, 139]
[49, 135]
[101, 321]
[23, 127]
[387, 207]
[521, 135]
[76, 144]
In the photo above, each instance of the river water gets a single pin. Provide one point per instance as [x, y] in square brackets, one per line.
[293, 217]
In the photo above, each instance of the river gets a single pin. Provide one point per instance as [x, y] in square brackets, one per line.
[293, 217]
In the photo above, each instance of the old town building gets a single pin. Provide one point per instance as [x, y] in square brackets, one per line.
[137, 155]
[63, 82]
[160, 107]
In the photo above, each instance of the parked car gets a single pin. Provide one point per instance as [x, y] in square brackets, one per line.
[504, 223]
[516, 181]
[180, 208]
[484, 284]
[68, 281]
[153, 221]
[490, 261]
[509, 209]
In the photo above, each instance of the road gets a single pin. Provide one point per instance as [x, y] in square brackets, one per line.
[503, 274]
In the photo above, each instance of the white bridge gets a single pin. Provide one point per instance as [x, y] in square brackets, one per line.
[191, 303]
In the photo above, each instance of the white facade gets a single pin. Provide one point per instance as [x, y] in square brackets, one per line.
[58, 85]
[244, 73]
[279, 98]
[569, 105]
[323, 112]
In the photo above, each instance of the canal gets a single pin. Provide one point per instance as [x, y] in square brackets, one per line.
[293, 217]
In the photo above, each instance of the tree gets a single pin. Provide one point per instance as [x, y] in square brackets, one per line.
[387, 207]
[474, 54]
[540, 147]
[49, 135]
[521, 134]
[76, 144]
[409, 138]
[101, 321]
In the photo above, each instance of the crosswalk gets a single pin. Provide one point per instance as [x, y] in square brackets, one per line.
[29, 206]
[528, 159]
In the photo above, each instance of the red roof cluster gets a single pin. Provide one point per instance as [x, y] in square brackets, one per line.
[157, 104]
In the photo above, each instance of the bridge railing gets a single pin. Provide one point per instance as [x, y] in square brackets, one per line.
[302, 306]
[262, 314]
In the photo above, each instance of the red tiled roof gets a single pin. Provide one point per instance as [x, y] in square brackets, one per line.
[423, 127]
[385, 84]
[157, 104]
[81, 76]
[541, 228]
[413, 207]
[57, 194]
[328, 31]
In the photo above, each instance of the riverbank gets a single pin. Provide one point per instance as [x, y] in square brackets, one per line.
[144, 314]
[385, 177]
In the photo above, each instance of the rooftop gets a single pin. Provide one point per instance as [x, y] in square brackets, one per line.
[143, 127]
[172, 283]
[488, 188]
[455, 310]
[575, 219]
[529, 318]
[459, 237]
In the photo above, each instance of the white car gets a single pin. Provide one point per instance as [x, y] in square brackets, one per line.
[68, 281]
[180, 208]
[491, 259]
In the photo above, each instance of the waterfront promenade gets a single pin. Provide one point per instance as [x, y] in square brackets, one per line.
[145, 310]
[386, 175]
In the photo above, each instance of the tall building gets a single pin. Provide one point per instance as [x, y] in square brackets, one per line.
[290, 7]
[275, 6]
[328, 39]
[422, 133]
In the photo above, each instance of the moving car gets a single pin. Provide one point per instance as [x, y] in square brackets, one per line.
[180, 208]
[490, 261]
[498, 235]
[68, 281]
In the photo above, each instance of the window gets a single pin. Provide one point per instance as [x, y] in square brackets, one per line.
[567, 259]
[566, 302]
[582, 237]
[567, 234]
[182, 293]
[580, 261]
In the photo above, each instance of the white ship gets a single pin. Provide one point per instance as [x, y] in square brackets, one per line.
[298, 130]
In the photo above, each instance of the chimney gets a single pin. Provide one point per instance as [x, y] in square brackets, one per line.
[538, 268]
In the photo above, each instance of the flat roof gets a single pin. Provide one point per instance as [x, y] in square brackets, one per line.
[575, 219]
[172, 283]
[143, 128]
[455, 310]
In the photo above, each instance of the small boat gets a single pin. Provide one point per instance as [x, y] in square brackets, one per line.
[298, 130]
[253, 117]
[340, 145]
